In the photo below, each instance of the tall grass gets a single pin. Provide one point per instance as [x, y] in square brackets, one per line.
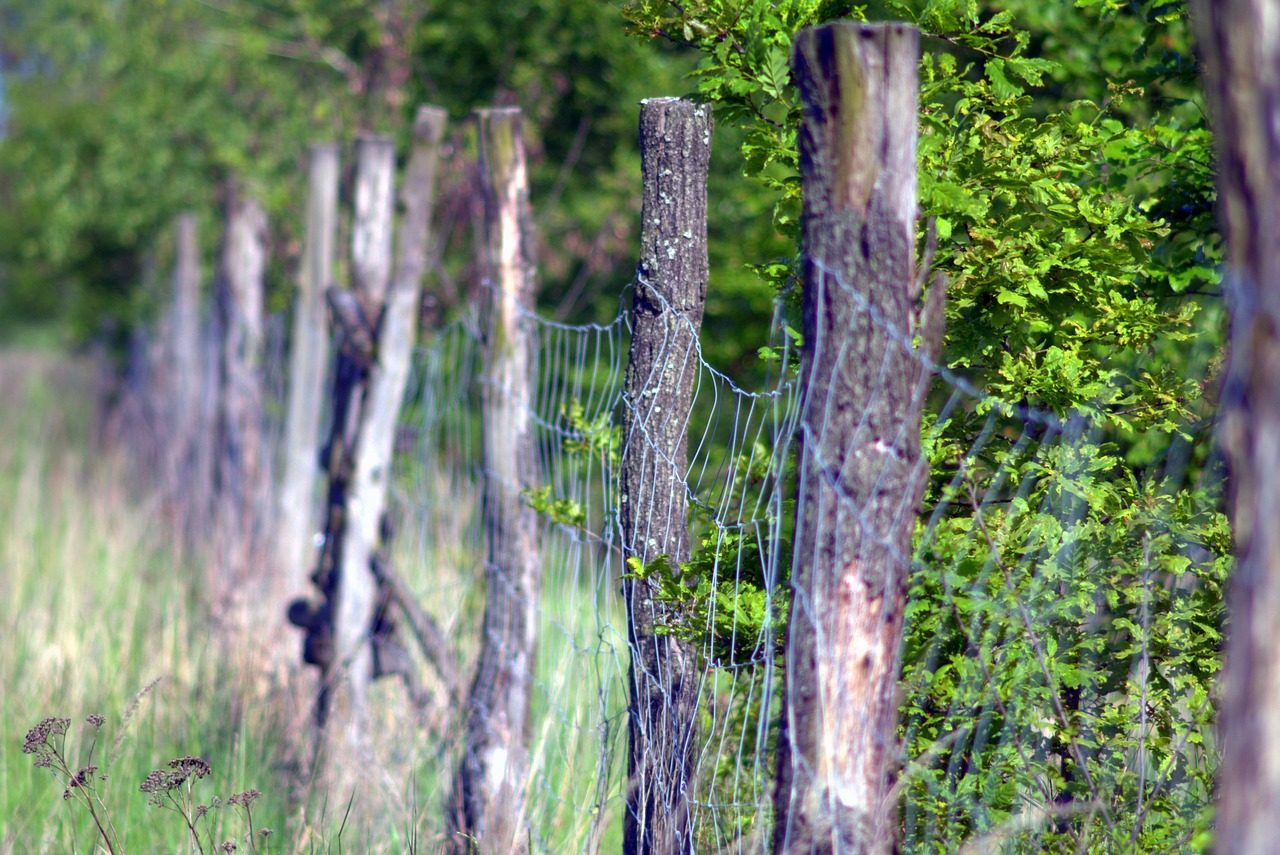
[97, 603]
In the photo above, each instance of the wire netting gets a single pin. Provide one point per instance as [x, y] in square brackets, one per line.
[1062, 628]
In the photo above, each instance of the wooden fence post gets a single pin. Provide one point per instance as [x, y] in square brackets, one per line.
[666, 314]
[352, 587]
[240, 474]
[188, 484]
[350, 634]
[358, 597]
[487, 806]
[1241, 45]
[861, 472]
[308, 366]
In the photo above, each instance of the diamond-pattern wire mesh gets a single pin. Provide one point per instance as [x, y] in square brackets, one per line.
[998, 751]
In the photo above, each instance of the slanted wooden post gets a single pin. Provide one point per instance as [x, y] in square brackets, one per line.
[1241, 45]
[861, 473]
[487, 808]
[666, 314]
[308, 367]
[353, 593]
[337, 640]
[358, 596]
[240, 476]
[350, 633]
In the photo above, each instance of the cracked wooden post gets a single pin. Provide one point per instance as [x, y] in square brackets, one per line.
[861, 472]
[666, 314]
[308, 368]
[487, 806]
[1241, 45]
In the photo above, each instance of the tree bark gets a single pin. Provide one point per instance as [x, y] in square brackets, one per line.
[1241, 44]
[487, 807]
[241, 477]
[666, 314]
[308, 367]
[861, 473]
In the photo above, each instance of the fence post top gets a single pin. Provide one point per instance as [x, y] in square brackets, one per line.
[429, 122]
[374, 141]
[497, 112]
[866, 29]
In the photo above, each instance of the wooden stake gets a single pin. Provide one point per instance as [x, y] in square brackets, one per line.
[487, 806]
[861, 472]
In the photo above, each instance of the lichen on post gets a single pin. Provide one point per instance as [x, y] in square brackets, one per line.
[666, 314]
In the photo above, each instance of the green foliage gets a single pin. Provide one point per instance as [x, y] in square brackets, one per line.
[1071, 618]
[560, 511]
[120, 117]
[1064, 627]
[597, 438]
[718, 600]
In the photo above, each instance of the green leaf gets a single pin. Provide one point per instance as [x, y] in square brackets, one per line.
[1001, 84]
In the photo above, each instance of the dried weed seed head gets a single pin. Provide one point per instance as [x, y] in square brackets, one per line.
[244, 799]
[38, 736]
[180, 771]
[37, 741]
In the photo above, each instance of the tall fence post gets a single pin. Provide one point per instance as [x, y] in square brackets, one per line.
[338, 629]
[351, 633]
[359, 598]
[1242, 51]
[861, 472]
[666, 314]
[308, 366]
[488, 803]
[240, 473]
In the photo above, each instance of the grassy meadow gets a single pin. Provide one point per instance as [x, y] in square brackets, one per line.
[102, 614]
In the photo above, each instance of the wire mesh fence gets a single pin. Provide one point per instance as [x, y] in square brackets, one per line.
[1056, 686]
[1030, 598]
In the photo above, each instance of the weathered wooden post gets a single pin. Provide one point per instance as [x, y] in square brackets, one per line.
[184, 329]
[308, 367]
[240, 476]
[346, 579]
[666, 314]
[1241, 44]
[349, 631]
[861, 473]
[357, 593]
[488, 802]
